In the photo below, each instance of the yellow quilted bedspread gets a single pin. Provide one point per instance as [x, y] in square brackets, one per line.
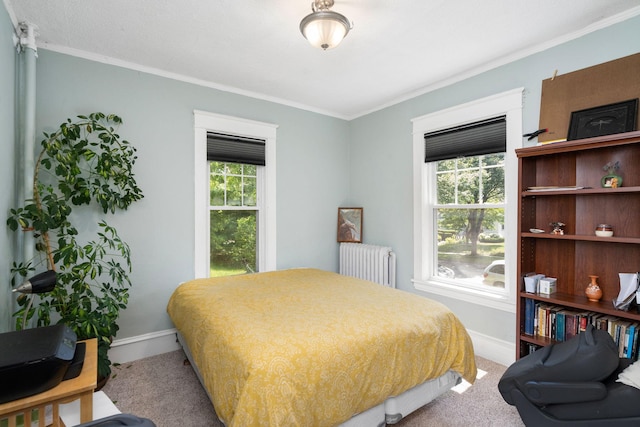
[306, 347]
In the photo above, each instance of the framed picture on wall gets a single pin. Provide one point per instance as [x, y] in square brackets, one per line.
[604, 120]
[350, 225]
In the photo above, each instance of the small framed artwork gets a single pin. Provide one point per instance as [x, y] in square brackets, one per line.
[603, 120]
[350, 225]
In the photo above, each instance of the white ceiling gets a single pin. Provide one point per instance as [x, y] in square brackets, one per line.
[397, 48]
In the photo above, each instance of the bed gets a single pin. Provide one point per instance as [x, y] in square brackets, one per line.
[306, 347]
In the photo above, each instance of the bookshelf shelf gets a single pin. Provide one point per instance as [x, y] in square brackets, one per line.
[536, 340]
[584, 238]
[581, 192]
[560, 182]
[580, 302]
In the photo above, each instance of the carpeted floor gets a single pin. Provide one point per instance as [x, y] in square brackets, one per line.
[165, 390]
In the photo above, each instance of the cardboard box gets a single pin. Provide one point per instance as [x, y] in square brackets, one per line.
[547, 285]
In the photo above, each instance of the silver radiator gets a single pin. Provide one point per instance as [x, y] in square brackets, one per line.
[369, 262]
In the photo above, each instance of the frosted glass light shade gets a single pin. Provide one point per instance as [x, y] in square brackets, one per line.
[325, 29]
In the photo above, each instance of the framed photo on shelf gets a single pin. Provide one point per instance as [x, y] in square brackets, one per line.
[350, 225]
[604, 120]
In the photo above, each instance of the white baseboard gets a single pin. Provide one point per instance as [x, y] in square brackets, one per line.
[488, 347]
[141, 346]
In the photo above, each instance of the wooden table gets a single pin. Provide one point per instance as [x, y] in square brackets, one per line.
[67, 391]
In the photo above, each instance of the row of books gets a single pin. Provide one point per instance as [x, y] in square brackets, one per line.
[560, 324]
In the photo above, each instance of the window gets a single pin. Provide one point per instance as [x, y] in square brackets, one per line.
[469, 213]
[235, 195]
[233, 213]
[467, 167]
[464, 177]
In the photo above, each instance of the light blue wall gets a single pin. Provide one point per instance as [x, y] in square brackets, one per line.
[7, 169]
[382, 176]
[312, 168]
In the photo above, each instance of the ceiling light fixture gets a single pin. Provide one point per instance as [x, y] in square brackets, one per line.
[324, 28]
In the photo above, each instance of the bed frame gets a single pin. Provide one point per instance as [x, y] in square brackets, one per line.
[391, 411]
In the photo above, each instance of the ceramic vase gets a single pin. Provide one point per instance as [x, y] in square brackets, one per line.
[593, 291]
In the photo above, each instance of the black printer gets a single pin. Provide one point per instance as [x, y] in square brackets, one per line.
[38, 359]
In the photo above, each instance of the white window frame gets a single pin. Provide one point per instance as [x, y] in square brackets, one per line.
[424, 279]
[210, 122]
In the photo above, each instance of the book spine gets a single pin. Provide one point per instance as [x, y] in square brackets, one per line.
[630, 331]
[560, 320]
[570, 325]
[529, 316]
[634, 349]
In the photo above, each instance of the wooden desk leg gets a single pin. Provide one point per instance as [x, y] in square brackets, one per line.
[56, 415]
[86, 407]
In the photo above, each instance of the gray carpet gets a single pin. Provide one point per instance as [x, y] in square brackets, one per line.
[165, 390]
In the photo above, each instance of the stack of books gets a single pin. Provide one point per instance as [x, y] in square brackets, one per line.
[560, 324]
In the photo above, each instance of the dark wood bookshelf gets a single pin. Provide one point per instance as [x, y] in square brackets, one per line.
[581, 204]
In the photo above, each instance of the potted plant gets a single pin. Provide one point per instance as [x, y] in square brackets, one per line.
[82, 163]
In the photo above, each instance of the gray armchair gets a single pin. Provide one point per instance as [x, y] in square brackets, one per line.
[572, 383]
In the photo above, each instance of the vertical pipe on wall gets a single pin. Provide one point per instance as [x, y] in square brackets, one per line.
[26, 103]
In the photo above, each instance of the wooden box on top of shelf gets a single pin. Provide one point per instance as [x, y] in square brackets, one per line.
[578, 253]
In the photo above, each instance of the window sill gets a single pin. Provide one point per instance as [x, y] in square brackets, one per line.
[475, 296]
